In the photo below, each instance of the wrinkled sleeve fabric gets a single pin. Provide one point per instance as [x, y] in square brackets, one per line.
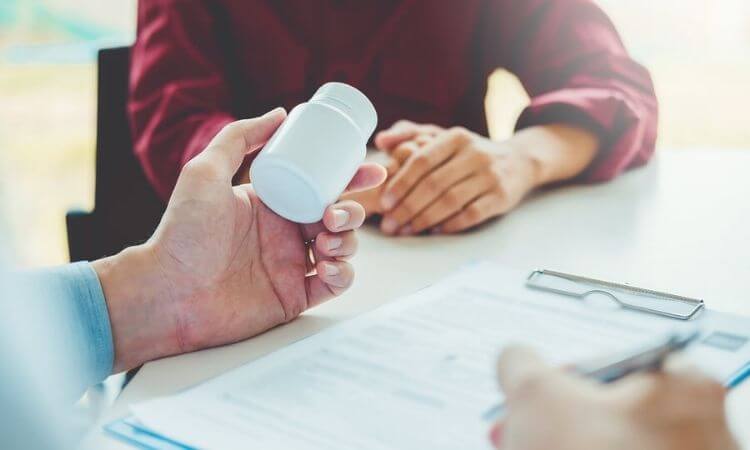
[179, 97]
[80, 320]
[572, 62]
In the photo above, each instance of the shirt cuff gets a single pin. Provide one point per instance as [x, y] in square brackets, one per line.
[77, 286]
[626, 129]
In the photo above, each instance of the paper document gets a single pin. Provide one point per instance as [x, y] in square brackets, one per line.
[418, 373]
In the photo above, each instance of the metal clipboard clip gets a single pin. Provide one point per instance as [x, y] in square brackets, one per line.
[623, 295]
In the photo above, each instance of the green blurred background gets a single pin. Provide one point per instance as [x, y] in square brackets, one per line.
[698, 52]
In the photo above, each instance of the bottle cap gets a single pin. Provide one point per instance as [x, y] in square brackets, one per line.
[351, 102]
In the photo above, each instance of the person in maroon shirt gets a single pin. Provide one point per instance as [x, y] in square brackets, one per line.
[198, 65]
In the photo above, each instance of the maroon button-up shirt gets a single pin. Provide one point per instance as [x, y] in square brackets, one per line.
[197, 65]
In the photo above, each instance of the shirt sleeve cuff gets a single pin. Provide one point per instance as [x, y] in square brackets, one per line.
[91, 331]
[627, 132]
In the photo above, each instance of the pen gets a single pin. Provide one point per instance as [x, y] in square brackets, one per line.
[610, 369]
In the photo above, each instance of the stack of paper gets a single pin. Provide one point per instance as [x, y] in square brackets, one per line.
[418, 373]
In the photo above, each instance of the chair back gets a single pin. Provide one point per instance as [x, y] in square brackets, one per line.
[126, 208]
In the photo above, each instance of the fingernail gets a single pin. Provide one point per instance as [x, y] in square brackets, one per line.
[388, 225]
[273, 112]
[406, 230]
[340, 218]
[330, 269]
[334, 243]
[388, 201]
[495, 435]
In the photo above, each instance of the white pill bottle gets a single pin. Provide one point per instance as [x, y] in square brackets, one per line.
[314, 154]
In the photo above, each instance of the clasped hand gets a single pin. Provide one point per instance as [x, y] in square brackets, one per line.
[446, 180]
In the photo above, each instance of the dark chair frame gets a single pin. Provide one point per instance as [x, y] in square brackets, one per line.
[126, 208]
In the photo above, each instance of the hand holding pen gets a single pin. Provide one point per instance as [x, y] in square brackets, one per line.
[647, 411]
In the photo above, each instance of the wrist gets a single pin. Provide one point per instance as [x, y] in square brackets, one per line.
[139, 304]
[526, 165]
[517, 166]
[554, 153]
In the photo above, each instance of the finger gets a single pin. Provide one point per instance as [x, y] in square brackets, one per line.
[401, 131]
[424, 139]
[347, 214]
[335, 245]
[452, 201]
[672, 384]
[391, 167]
[518, 365]
[404, 151]
[436, 153]
[480, 210]
[228, 148]
[436, 186]
[368, 176]
[332, 279]
[342, 216]
[370, 200]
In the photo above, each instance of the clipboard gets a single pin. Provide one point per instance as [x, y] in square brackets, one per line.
[625, 296]
[131, 431]
[621, 295]
[478, 297]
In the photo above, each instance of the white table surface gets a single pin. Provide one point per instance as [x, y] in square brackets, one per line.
[682, 224]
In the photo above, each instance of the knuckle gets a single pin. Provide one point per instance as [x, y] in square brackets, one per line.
[405, 210]
[425, 220]
[450, 226]
[450, 199]
[392, 167]
[473, 213]
[399, 186]
[231, 128]
[530, 386]
[711, 390]
[482, 158]
[406, 149]
[408, 209]
[420, 223]
[401, 213]
[431, 183]
[192, 165]
[423, 139]
[496, 185]
[460, 134]
[420, 162]
[492, 182]
[199, 167]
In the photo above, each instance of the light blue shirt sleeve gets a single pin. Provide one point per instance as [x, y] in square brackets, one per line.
[78, 294]
[55, 341]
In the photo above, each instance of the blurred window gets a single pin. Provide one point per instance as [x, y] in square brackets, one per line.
[697, 50]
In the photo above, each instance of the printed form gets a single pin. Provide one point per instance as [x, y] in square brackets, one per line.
[417, 373]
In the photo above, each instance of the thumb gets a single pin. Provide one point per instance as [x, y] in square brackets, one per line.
[517, 366]
[228, 148]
